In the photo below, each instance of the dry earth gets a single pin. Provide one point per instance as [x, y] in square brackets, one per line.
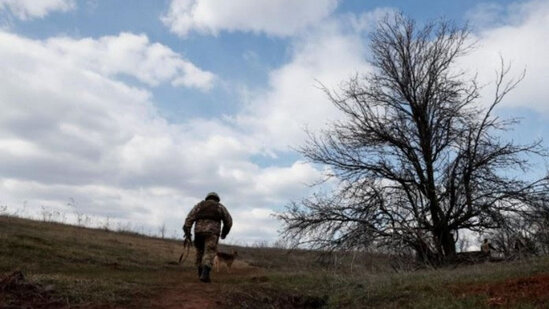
[194, 294]
[511, 292]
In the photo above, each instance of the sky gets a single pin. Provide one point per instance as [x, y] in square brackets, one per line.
[130, 112]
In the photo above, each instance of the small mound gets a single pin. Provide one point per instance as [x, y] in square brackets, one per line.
[533, 290]
[17, 292]
[270, 298]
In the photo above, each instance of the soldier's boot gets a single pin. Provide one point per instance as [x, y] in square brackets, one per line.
[199, 271]
[205, 276]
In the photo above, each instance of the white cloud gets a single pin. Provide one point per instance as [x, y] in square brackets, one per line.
[486, 14]
[293, 100]
[330, 53]
[279, 18]
[259, 227]
[367, 21]
[276, 181]
[133, 55]
[70, 128]
[522, 39]
[333, 52]
[29, 9]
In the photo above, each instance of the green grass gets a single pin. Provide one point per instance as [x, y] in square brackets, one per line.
[94, 267]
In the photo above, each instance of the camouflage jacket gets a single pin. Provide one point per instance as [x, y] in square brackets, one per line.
[486, 248]
[207, 216]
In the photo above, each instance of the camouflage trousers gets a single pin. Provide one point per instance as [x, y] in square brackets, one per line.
[206, 248]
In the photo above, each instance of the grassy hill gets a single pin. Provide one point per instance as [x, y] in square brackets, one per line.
[69, 266]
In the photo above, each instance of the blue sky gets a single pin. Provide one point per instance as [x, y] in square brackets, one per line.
[136, 109]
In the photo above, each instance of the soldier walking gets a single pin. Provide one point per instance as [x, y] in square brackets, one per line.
[207, 216]
[486, 248]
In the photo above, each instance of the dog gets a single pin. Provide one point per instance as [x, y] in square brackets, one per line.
[227, 258]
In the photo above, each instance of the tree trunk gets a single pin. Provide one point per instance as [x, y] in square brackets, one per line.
[448, 244]
[445, 243]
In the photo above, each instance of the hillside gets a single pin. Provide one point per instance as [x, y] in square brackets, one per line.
[66, 266]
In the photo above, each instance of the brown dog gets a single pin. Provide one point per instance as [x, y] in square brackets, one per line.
[227, 258]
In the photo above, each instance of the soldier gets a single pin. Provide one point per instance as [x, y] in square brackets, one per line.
[207, 216]
[486, 247]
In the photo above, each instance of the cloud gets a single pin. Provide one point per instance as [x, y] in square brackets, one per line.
[486, 14]
[521, 37]
[260, 227]
[29, 9]
[325, 56]
[332, 52]
[73, 126]
[367, 21]
[278, 18]
[71, 129]
[132, 55]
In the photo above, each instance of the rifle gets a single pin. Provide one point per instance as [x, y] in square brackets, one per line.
[187, 243]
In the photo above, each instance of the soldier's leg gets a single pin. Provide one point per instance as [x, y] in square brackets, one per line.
[199, 246]
[210, 250]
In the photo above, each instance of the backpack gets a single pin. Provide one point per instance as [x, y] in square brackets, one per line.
[209, 210]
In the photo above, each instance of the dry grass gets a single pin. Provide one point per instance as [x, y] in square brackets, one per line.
[93, 267]
[88, 265]
[420, 289]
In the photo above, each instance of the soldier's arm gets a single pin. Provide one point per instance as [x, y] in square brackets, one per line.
[227, 222]
[191, 217]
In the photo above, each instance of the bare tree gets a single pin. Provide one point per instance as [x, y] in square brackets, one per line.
[417, 158]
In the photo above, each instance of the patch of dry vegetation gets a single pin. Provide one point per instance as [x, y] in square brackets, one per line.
[428, 288]
[94, 267]
[88, 265]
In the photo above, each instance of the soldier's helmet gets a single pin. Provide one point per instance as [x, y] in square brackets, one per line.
[212, 196]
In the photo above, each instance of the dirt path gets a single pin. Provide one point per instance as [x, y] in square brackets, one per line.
[193, 294]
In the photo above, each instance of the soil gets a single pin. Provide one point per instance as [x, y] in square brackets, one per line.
[17, 292]
[270, 298]
[533, 290]
[194, 294]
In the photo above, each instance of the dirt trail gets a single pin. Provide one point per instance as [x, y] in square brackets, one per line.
[189, 293]
[193, 294]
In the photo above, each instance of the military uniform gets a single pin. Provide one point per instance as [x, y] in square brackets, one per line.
[486, 248]
[207, 216]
